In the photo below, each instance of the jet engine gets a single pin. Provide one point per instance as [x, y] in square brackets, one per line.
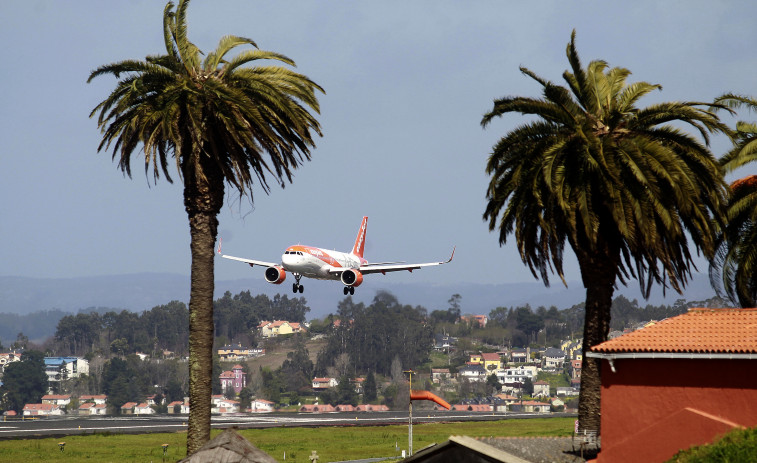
[275, 275]
[352, 277]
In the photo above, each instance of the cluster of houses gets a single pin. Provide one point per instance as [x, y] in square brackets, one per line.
[525, 366]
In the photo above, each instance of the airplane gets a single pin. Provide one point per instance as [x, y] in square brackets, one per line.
[349, 268]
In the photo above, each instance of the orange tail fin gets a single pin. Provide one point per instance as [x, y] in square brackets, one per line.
[360, 240]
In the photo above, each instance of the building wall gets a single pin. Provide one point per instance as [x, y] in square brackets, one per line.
[651, 408]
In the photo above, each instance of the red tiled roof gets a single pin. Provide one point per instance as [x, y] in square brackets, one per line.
[697, 331]
[490, 356]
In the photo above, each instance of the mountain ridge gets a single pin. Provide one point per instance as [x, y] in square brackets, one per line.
[143, 291]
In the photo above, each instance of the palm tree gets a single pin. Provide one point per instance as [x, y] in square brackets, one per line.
[221, 122]
[733, 268]
[626, 190]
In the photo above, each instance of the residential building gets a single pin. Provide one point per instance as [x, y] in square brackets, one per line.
[223, 406]
[235, 380]
[442, 342]
[534, 406]
[8, 357]
[320, 384]
[279, 327]
[237, 352]
[518, 355]
[63, 368]
[179, 406]
[510, 376]
[491, 361]
[128, 408]
[541, 389]
[41, 410]
[472, 373]
[91, 408]
[261, 406]
[677, 383]
[97, 399]
[575, 369]
[440, 375]
[479, 320]
[144, 409]
[59, 400]
[553, 359]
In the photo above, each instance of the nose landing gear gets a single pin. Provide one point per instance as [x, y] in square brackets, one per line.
[297, 287]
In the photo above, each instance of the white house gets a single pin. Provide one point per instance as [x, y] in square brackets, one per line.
[182, 406]
[510, 376]
[59, 400]
[473, 373]
[143, 409]
[91, 408]
[221, 406]
[261, 406]
[63, 368]
[41, 410]
[325, 383]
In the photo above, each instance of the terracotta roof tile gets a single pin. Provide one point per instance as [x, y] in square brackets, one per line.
[697, 331]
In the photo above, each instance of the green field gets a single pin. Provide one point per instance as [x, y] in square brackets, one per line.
[331, 443]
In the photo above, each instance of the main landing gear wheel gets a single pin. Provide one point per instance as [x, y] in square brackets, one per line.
[349, 289]
[297, 287]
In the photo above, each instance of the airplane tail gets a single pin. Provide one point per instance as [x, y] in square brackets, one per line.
[360, 240]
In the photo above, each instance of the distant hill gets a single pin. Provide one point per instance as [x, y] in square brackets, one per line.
[138, 292]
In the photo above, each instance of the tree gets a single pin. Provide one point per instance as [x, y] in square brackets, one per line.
[626, 190]
[222, 123]
[24, 381]
[732, 270]
[369, 388]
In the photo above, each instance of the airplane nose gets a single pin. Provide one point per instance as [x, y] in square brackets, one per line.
[288, 259]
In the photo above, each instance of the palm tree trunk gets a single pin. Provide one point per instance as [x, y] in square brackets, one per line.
[203, 199]
[203, 232]
[598, 274]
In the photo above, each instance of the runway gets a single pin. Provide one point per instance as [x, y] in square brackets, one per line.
[74, 425]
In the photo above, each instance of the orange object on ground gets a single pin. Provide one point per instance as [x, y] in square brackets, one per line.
[426, 395]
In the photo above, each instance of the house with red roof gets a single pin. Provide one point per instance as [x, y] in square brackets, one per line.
[179, 406]
[91, 408]
[144, 409]
[128, 408]
[41, 410]
[678, 383]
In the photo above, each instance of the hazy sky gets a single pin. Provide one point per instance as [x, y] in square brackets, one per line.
[406, 86]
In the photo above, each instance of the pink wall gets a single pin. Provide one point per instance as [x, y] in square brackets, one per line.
[651, 408]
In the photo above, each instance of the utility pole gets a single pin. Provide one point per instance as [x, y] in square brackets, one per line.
[410, 420]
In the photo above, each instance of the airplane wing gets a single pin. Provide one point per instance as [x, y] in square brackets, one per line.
[384, 268]
[251, 261]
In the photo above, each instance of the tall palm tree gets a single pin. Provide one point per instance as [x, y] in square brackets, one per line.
[221, 122]
[732, 270]
[628, 191]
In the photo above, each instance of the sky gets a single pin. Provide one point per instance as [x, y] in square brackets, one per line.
[406, 83]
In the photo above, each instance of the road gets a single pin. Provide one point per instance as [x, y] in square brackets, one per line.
[70, 425]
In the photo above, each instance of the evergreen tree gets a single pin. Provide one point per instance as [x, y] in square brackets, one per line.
[24, 381]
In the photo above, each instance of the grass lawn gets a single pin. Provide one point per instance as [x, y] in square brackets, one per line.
[331, 443]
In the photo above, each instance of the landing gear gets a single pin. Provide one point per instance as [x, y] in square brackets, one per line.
[349, 290]
[297, 287]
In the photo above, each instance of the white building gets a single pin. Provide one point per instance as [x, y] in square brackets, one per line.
[510, 376]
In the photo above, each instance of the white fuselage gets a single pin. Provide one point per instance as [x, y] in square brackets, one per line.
[313, 262]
